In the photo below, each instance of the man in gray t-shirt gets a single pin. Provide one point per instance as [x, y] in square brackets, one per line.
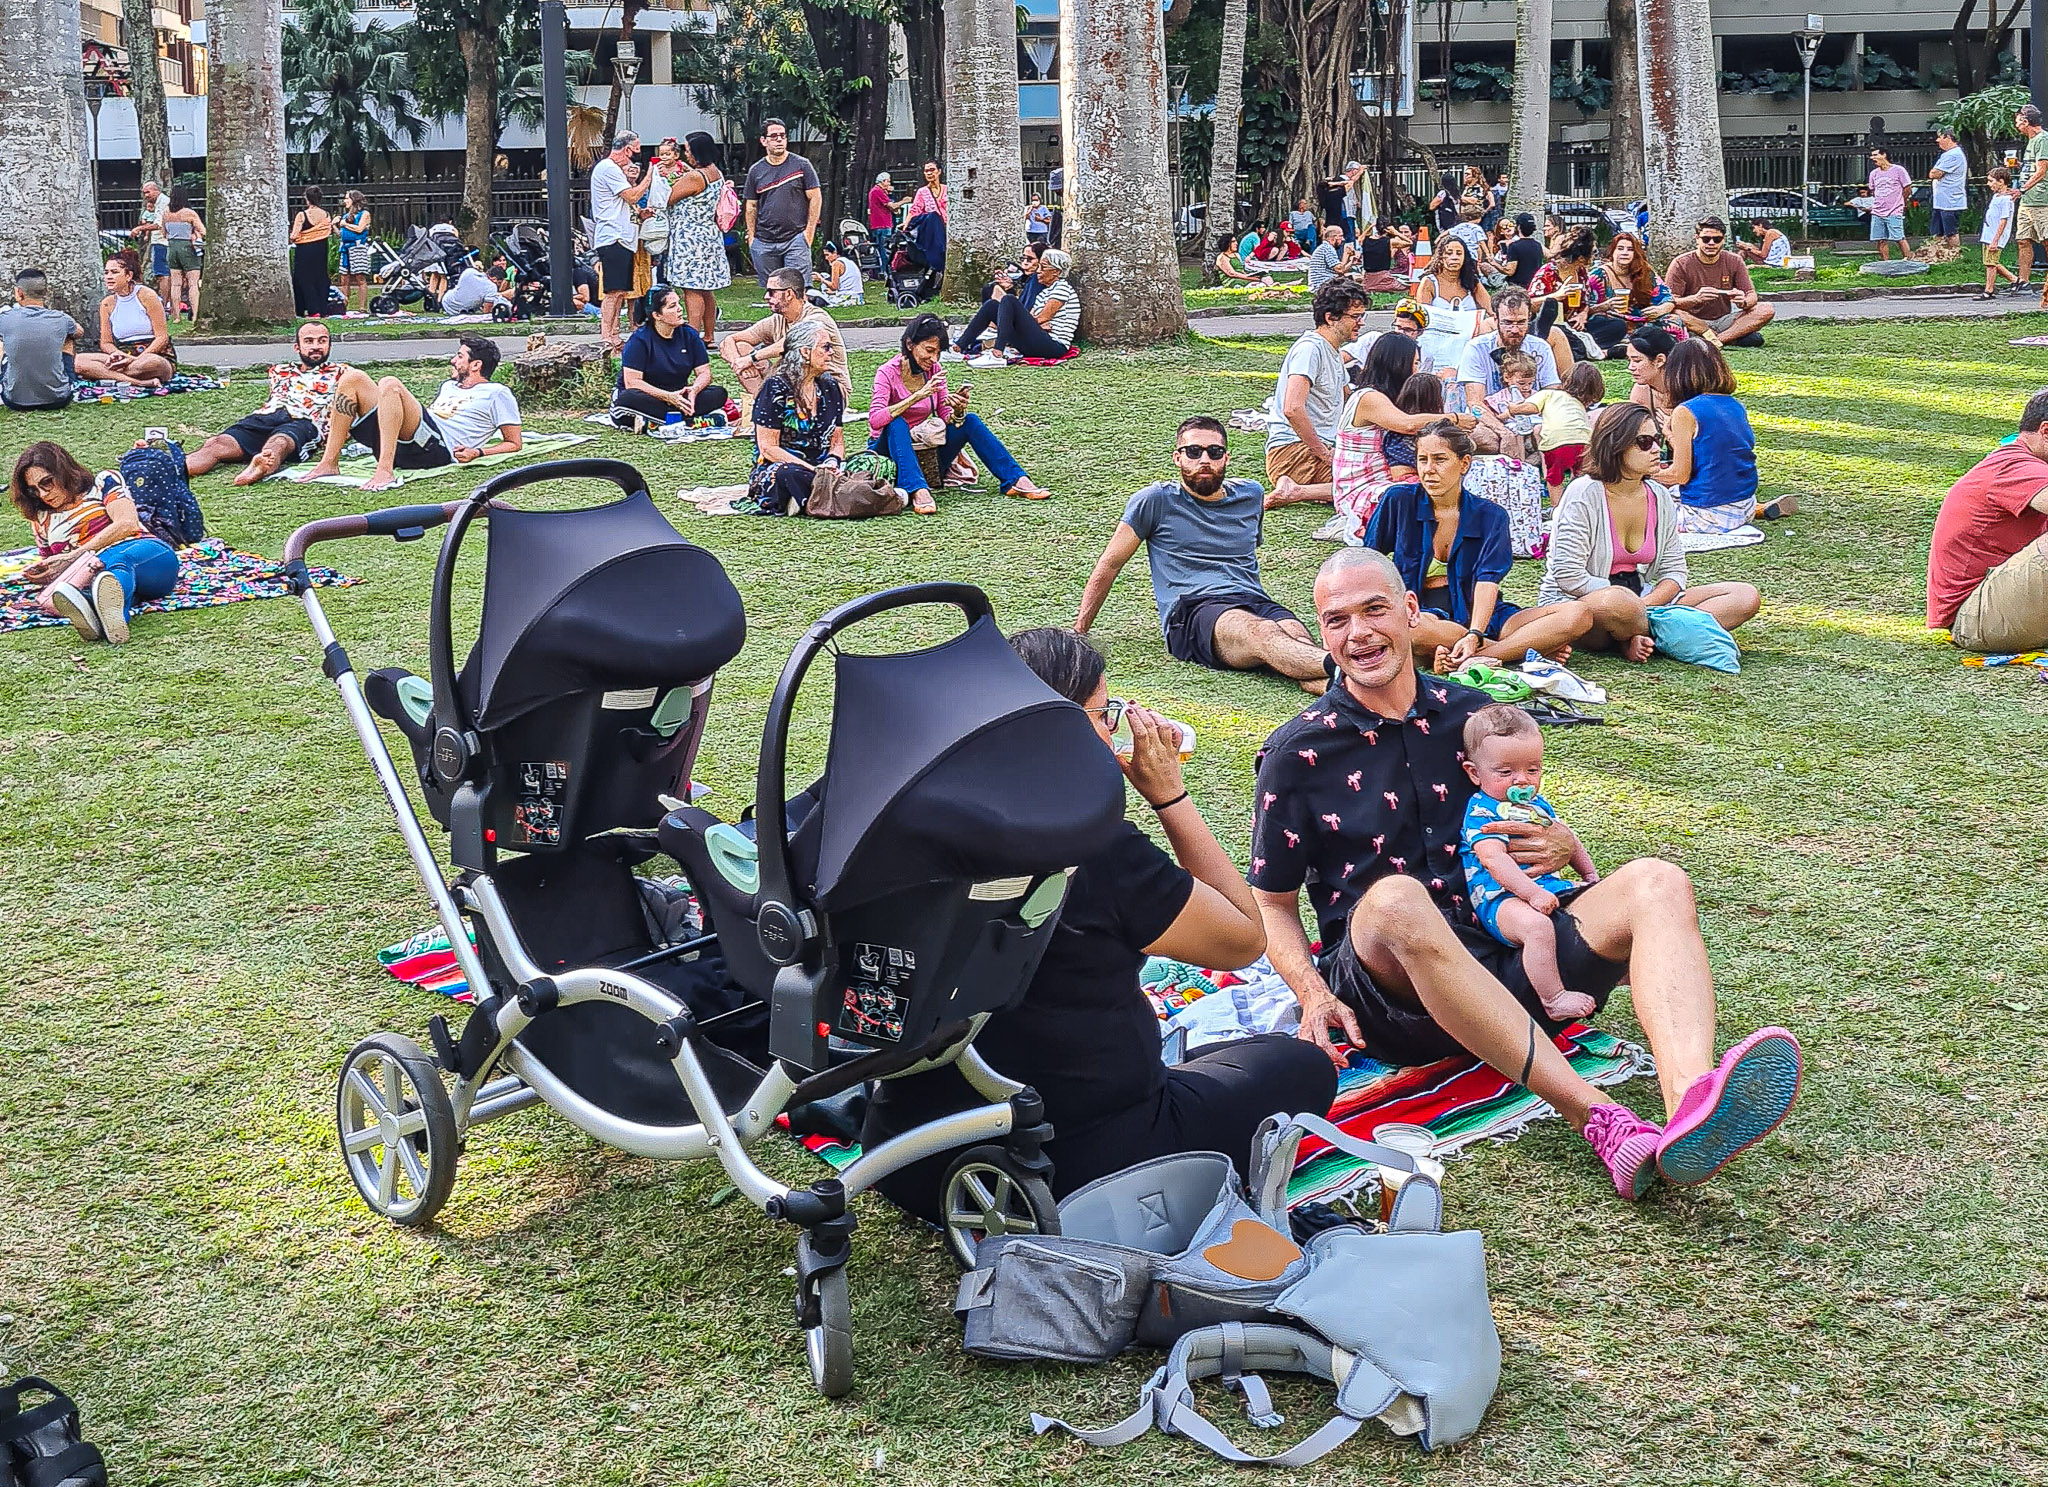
[783, 202]
[1308, 398]
[1201, 535]
[36, 347]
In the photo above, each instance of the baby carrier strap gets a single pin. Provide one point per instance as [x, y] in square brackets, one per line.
[1418, 1207]
[1230, 1351]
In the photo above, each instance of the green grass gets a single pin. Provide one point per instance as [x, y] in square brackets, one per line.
[199, 868]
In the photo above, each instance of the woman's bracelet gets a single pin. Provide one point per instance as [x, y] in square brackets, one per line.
[1167, 805]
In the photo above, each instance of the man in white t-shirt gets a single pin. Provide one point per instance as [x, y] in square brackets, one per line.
[1479, 368]
[1308, 399]
[1951, 175]
[470, 417]
[615, 214]
[472, 292]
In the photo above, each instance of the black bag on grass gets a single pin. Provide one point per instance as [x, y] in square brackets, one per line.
[155, 477]
[39, 1446]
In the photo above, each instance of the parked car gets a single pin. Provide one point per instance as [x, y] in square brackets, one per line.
[1575, 212]
[1770, 205]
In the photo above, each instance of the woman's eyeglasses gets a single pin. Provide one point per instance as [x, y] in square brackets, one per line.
[1204, 451]
[1648, 443]
[1112, 713]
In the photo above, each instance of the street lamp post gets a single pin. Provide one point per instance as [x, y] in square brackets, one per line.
[625, 70]
[1809, 47]
[554, 89]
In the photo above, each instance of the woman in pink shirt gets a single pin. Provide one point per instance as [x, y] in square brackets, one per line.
[931, 196]
[910, 389]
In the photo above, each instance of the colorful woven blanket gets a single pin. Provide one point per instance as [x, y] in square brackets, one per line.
[85, 390]
[210, 573]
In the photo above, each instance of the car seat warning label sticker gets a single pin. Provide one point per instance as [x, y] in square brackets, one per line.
[877, 992]
[537, 809]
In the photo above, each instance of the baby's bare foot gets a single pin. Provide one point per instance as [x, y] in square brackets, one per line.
[1568, 1006]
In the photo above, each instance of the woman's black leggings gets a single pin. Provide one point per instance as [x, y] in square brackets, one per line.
[1019, 332]
[1213, 1102]
[978, 326]
[711, 400]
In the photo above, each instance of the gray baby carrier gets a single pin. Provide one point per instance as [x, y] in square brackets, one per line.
[1173, 1254]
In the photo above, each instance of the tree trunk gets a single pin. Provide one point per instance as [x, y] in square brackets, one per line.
[247, 247]
[1964, 45]
[1683, 174]
[1529, 140]
[629, 15]
[1118, 224]
[480, 143]
[1625, 119]
[984, 166]
[1219, 224]
[46, 220]
[870, 114]
[924, 37]
[1325, 35]
[152, 121]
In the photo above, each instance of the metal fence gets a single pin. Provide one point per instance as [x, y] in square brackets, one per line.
[394, 205]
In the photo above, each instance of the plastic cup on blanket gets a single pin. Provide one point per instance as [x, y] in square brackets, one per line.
[1411, 1140]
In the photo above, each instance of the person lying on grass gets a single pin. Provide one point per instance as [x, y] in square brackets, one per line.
[1201, 535]
[1361, 802]
[292, 419]
[470, 417]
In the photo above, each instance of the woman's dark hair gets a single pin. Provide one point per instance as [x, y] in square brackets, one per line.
[179, 200]
[1614, 434]
[703, 150]
[1064, 661]
[925, 327]
[1390, 363]
[312, 196]
[1576, 246]
[1422, 393]
[657, 299]
[1653, 341]
[1468, 272]
[66, 471]
[129, 260]
[1697, 369]
[1455, 439]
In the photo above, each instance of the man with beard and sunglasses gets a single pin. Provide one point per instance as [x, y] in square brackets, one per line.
[1202, 535]
[290, 422]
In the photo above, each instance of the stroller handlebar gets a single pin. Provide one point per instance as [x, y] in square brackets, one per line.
[390, 522]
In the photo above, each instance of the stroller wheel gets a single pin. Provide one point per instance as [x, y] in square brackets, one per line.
[397, 1129]
[383, 304]
[987, 1195]
[830, 1343]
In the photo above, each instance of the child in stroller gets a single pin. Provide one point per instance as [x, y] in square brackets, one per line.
[862, 931]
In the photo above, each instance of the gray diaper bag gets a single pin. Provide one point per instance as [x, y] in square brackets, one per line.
[1173, 1253]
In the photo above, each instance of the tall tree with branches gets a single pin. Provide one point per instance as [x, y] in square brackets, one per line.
[629, 18]
[458, 51]
[1219, 221]
[1625, 113]
[46, 220]
[246, 243]
[146, 88]
[1683, 173]
[348, 93]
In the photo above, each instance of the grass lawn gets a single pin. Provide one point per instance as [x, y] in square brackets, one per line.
[199, 869]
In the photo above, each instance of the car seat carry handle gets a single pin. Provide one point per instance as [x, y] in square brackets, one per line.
[618, 472]
[781, 924]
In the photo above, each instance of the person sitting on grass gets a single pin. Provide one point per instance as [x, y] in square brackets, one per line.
[1227, 265]
[665, 368]
[1020, 279]
[1361, 801]
[839, 281]
[132, 327]
[797, 427]
[292, 419]
[1771, 248]
[1712, 457]
[1989, 552]
[1308, 400]
[1711, 288]
[1046, 330]
[1564, 422]
[1482, 369]
[89, 536]
[754, 353]
[473, 292]
[1201, 535]
[1084, 1035]
[468, 414]
[1616, 544]
[38, 348]
[910, 388]
[1452, 549]
[1333, 256]
[1375, 445]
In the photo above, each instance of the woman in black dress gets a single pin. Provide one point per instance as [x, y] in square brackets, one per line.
[310, 231]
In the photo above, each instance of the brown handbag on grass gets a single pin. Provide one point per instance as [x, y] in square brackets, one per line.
[851, 495]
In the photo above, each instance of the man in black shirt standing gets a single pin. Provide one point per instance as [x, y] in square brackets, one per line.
[1361, 801]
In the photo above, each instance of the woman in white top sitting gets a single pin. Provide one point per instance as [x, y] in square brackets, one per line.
[133, 328]
[839, 281]
[1453, 282]
[1046, 330]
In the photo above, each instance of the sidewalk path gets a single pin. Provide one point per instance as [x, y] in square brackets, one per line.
[885, 337]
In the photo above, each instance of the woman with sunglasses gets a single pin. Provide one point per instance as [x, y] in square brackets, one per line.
[92, 550]
[1617, 547]
[1084, 1036]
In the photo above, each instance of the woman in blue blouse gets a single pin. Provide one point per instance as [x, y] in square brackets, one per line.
[1453, 550]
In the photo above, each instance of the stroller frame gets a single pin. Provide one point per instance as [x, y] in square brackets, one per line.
[404, 1116]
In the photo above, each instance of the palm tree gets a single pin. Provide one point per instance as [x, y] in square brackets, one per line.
[1529, 141]
[146, 86]
[985, 173]
[1683, 176]
[46, 220]
[347, 93]
[247, 282]
[1220, 220]
[1119, 226]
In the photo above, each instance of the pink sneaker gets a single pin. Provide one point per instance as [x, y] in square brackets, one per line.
[1726, 1112]
[1627, 1144]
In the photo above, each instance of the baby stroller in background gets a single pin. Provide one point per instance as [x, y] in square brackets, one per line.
[918, 265]
[864, 930]
[426, 250]
[856, 244]
[526, 251]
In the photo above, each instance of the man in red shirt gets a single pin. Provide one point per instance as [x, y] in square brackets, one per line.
[1987, 567]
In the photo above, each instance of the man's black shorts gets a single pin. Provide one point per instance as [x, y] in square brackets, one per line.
[428, 448]
[258, 429]
[1191, 623]
[1398, 1032]
[615, 268]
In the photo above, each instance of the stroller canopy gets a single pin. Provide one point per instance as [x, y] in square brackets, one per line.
[607, 597]
[957, 763]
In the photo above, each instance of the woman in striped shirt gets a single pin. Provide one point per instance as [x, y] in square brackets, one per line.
[1046, 330]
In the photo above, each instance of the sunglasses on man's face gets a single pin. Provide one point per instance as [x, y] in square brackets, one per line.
[1712, 237]
[1204, 451]
[1648, 443]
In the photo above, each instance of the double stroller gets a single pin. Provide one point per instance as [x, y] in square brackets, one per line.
[401, 274]
[917, 261]
[864, 929]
